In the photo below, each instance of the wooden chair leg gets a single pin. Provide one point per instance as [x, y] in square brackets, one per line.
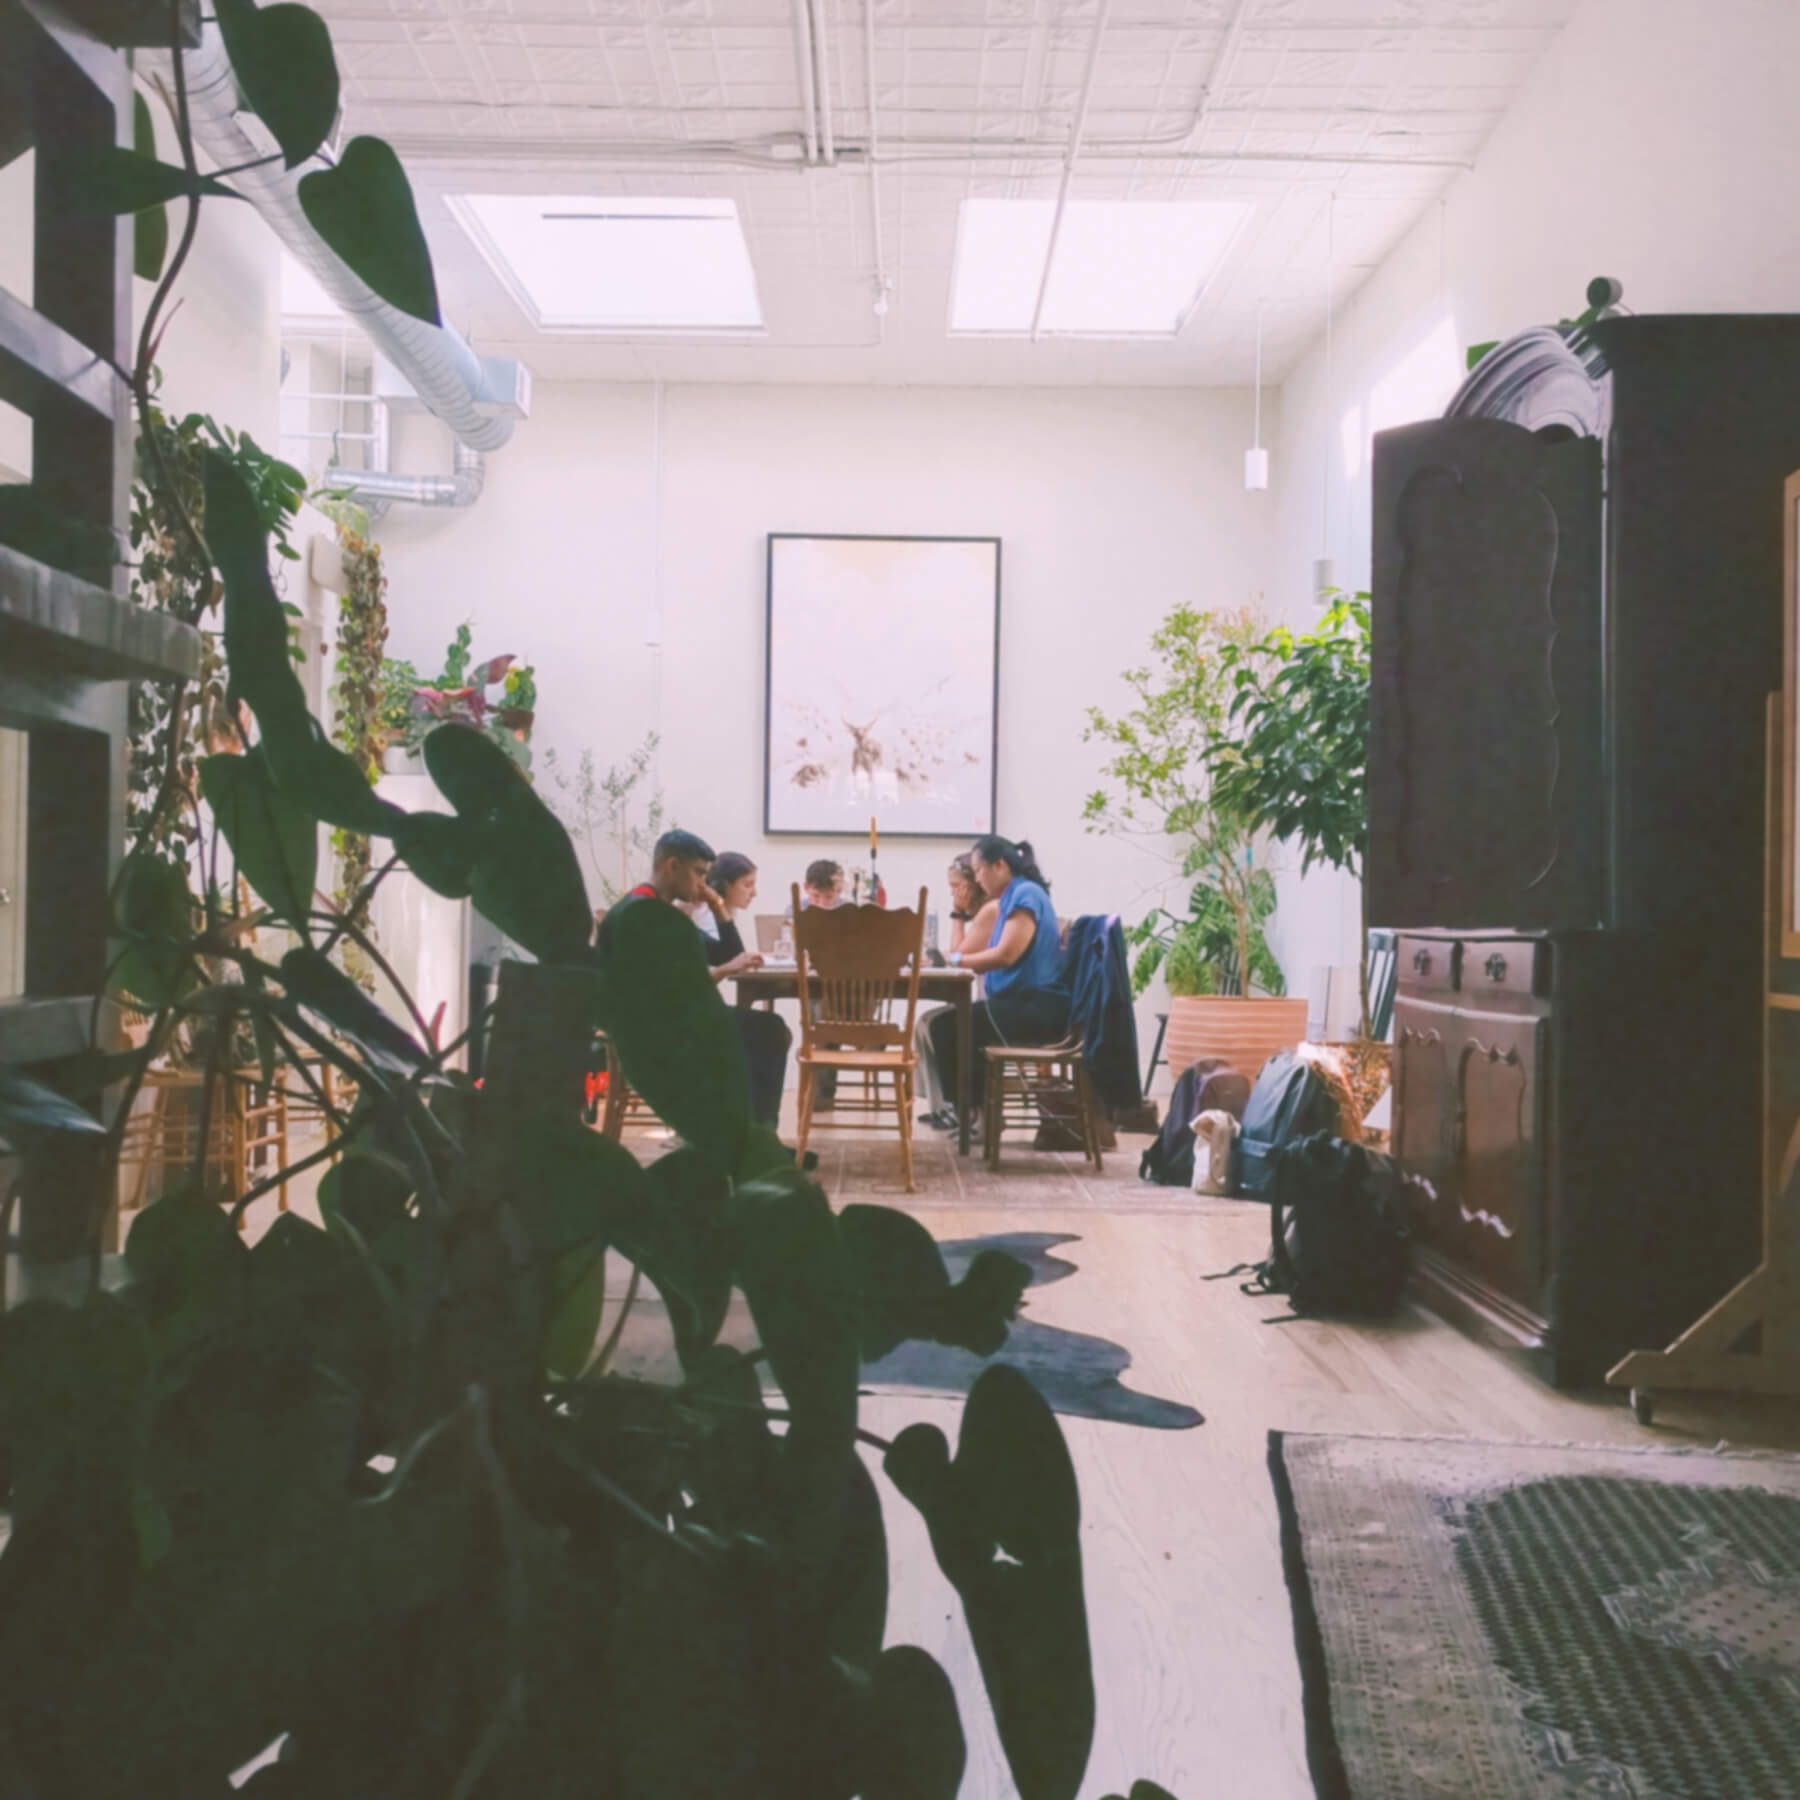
[803, 1130]
[903, 1110]
[612, 1125]
[1088, 1105]
[990, 1122]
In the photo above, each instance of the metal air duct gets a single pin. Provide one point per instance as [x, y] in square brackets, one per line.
[478, 398]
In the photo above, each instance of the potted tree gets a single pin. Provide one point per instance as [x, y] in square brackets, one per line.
[1227, 997]
[1291, 757]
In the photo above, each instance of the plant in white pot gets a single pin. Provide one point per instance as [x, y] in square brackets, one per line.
[1227, 997]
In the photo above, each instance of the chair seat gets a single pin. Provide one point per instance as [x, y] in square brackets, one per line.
[1047, 1053]
[1021, 1077]
[858, 1059]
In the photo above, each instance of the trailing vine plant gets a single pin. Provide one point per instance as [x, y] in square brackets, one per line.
[356, 696]
[172, 574]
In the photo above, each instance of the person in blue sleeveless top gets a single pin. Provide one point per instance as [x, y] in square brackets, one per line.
[1027, 998]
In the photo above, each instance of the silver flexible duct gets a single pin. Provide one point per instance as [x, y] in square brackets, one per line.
[461, 488]
[445, 373]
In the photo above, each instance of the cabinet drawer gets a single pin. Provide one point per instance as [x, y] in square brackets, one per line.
[1502, 973]
[1426, 965]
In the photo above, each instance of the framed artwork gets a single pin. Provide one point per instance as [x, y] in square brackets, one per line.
[1789, 942]
[882, 686]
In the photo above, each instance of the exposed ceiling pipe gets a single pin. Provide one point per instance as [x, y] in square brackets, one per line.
[1228, 50]
[1068, 174]
[479, 400]
[803, 50]
[462, 487]
[882, 283]
[822, 85]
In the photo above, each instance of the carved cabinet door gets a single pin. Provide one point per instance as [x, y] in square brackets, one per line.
[1424, 1109]
[1485, 799]
[1500, 1228]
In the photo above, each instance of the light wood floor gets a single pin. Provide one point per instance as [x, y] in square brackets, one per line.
[1193, 1649]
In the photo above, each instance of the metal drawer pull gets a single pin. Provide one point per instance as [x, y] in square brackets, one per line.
[1422, 961]
[1495, 967]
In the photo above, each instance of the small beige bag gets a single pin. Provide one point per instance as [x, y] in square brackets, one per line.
[1213, 1132]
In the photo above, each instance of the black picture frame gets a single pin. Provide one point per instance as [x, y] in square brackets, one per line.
[950, 833]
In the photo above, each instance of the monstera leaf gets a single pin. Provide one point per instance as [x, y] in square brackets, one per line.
[1005, 1524]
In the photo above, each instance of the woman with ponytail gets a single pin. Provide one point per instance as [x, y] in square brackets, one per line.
[1022, 962]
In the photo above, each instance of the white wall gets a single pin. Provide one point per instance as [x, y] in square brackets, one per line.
[1656, 142]
[1112, 508]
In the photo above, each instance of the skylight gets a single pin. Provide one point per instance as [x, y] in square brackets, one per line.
[576, 263]
[1124, 268]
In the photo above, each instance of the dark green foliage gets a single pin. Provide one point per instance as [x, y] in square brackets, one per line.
[364, 210]
[285, 69]
[275, 843]
[1005, 1525]
[523, 872]
[150, 239]
[116, 180]
[28, 1108]
[369, 1489]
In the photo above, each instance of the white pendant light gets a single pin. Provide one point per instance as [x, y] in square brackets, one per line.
[1256, 458]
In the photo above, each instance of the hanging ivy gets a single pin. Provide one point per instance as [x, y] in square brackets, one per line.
[356, 696]
[171, 728]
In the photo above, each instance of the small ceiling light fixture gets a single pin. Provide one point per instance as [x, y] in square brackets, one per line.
[1256, 458]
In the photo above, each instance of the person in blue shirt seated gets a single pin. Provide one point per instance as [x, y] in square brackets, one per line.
[1022, 964]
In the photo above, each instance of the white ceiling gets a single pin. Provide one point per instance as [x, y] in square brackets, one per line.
[1339, 120]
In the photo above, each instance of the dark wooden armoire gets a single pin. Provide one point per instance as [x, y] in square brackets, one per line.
[1577, 620]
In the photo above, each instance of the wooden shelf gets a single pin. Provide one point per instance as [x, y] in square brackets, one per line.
[126, 24]
[34, 1031]
[37, 355]
[80, 629]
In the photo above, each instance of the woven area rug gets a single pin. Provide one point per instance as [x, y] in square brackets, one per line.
[1529, 1622]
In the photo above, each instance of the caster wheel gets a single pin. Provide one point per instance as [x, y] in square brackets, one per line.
[1643, 1406]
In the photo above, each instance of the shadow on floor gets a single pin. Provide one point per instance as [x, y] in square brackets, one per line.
[1078, 1375]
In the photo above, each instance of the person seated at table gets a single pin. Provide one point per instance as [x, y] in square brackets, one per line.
[972, 916]
[730, 890]
[679, 868]
[822, 884]
[1027, 1000]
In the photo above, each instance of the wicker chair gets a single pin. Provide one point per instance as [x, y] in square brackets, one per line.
[247, 1135]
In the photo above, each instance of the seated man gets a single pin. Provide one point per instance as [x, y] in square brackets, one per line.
[678, 871]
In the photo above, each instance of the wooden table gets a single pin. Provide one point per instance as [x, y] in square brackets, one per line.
[957, 986]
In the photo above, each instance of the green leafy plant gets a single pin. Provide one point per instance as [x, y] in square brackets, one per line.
[412, 706]
[1198, 954]
[359, 729]
[1162, 790]
[170, 730]
[370, 1493]
[1293, 758]
[597, 808]
[373, 1491]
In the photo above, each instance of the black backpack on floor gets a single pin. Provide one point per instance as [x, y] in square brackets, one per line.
[1290, 1101]
[1339, 1241]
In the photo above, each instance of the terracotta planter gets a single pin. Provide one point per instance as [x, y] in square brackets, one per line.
[1246, 1033]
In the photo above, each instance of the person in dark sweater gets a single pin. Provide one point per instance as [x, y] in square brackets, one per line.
[679, 871]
